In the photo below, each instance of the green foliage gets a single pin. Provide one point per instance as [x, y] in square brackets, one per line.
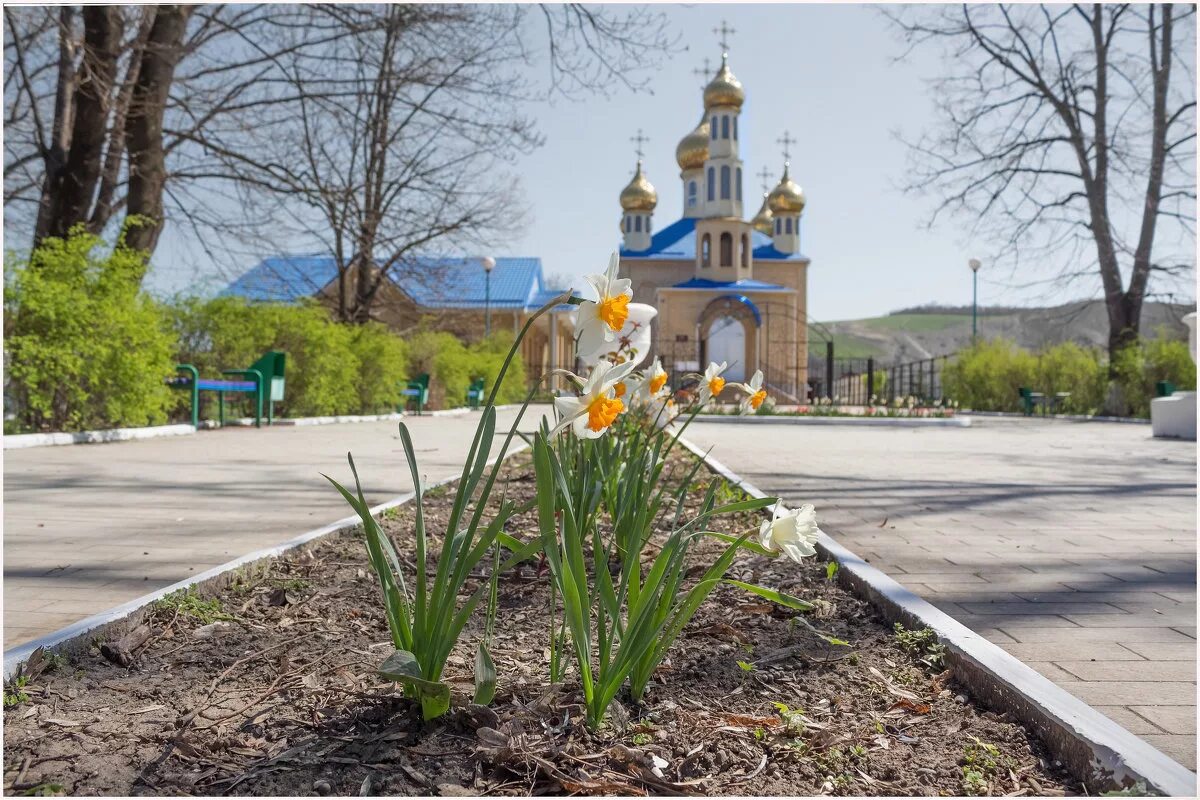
[921, 644]
[14, 693]
[427, 617]
[981, 763]
[452, 365]
[382, 366]
[86, 348]
[1141, 365]
[187, 603]
[987, 375]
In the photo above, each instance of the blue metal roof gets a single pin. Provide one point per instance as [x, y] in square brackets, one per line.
[431, 282]
[677, 241]
[744, 285]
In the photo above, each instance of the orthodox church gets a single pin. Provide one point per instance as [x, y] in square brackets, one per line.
[726, 288]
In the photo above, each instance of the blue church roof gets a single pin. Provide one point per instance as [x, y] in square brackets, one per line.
[744, 285]
[431, 282]
[677, 241]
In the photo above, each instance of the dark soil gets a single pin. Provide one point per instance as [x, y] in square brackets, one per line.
[283, 698]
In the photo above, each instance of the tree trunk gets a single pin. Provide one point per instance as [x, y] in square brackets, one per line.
[72, 192]
[147, 163]
[55, 155]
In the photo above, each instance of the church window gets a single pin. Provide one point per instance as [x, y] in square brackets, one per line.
[712, 183]
[637, 224]
[706, 251]
[787, 225]
[713, 128]
[745, 251]
[691, 194]
[739, 184]
[725, 183]
[724, 127]
[726, 250]
[628, 224]
[778, 226]
[735, 128]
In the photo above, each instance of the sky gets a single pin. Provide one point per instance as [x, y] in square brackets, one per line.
[828, 75]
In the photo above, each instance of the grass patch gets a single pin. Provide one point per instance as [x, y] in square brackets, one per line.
[189, 604]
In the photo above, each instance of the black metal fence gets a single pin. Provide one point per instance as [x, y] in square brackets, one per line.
[854, 381]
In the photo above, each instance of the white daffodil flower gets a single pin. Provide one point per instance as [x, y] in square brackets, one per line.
[711, 383]
[602, 319]
[793, 532]
[755, 394]
[655, 381]
[598, 404]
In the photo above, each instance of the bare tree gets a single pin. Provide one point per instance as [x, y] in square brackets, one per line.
[1068, 134]
[400, 133]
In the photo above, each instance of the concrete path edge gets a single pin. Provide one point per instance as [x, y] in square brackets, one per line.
[115, 621]
[788, 419]
[23, 440]
[1095, 749]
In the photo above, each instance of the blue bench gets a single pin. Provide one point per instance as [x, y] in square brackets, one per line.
[265, 382]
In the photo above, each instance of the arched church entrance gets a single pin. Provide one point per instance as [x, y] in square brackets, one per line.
[727, 342]
[728, 328]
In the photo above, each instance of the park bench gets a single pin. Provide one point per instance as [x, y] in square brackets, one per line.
[263, 379]
[416, 391]
[1164, 389]
[475, 392]
[1031, 400]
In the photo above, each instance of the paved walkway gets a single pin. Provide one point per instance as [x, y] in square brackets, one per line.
[1071, 545]
[88, 527]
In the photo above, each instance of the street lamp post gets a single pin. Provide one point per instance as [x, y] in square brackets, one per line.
[974, 264]
[489, 264]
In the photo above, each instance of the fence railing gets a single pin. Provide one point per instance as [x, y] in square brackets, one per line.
[854, 381]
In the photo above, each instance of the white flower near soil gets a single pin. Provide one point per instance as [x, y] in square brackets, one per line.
[656, 379]
[711, 382]
[793, 532]
[596, 408]
[600, 320]
[755, 394]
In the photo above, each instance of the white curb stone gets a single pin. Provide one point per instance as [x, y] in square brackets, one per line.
[23, 440]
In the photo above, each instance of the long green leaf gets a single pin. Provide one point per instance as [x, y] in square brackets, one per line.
[774, 595]
[485, 676]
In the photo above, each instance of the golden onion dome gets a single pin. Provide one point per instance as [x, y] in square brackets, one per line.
[692, 150]
[764, 220]
[724, 90]
[786, 197]
[639, 195]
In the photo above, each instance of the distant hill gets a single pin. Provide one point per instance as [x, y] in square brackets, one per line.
[924, 331]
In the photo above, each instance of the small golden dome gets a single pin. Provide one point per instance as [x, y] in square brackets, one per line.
[639, 195]
[787, 197]
[764, 220]
[692, 150]
[724, 90]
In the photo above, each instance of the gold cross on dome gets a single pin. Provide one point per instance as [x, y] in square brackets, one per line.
[786, 141]
[723, 32]
[638, 141]
[765, 174]
[704, 74]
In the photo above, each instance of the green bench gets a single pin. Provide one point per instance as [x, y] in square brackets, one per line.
[416, 391]
[1030, 400]
[1164, 388]
[263, 379]
[476, 392]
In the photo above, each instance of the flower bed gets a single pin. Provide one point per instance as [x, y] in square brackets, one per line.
[269, 687]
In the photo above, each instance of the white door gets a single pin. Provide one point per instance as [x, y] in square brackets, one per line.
[727, 342]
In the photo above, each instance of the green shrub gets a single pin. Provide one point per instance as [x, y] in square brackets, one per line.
[987, 375]
[332, 368]
[452, 365]
[1067, 367]
[85, 347]
[1140, 366]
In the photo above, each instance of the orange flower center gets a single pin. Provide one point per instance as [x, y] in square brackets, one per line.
[716, 385]
[657, 382]
[619, 388]
[614, 310]
[603, 411]
[757, 398]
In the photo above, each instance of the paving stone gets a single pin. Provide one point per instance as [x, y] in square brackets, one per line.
[1101, 651]
[1172, 719]
[1180, 748]
[1130, 721]
[1129, 693]
[1081, 634]
[1131, 670]
[1163, 651]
